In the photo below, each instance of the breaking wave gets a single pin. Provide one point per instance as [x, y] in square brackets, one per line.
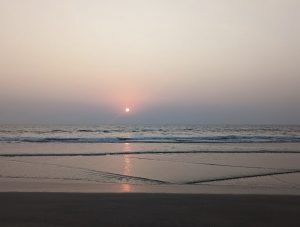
[154, 139]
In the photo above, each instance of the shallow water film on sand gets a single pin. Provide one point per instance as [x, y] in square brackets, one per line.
[264, 157]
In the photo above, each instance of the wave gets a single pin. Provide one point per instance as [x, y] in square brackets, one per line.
[103, 174]
[114, 177]
[210, 164]
[155, 139]
[118, 179]
[243, 176]
[143, 152]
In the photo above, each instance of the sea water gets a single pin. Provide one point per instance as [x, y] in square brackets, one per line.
[247, 155]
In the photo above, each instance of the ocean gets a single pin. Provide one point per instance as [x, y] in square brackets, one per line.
[245, 156]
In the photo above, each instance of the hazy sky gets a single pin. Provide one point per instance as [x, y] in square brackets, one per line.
[171, 61]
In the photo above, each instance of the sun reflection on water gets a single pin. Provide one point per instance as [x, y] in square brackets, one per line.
[126, 168]
[126, 188]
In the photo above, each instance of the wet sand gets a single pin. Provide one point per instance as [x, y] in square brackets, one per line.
[137, 209]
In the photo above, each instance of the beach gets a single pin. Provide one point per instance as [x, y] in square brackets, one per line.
[36, 202]
[83, 209]
[150, 176]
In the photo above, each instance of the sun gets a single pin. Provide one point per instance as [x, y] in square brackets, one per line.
[127, 109]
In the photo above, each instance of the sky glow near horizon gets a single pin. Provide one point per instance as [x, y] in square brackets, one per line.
[186, 61]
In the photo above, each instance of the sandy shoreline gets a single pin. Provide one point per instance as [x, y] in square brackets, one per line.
[55, 186]
[136, 209]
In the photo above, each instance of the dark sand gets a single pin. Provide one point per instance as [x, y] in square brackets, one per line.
[79, 209]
